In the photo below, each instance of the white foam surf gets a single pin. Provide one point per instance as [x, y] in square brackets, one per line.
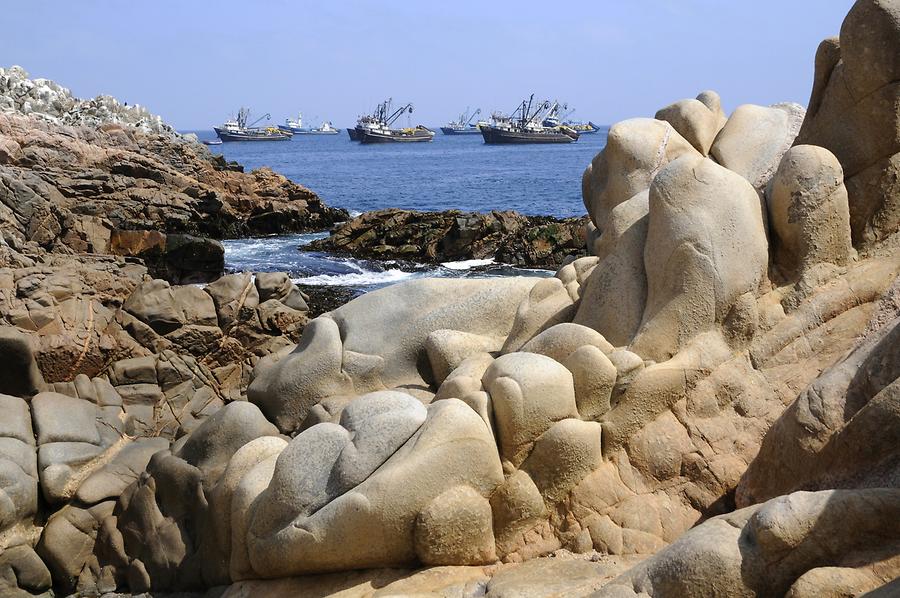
[467, 264]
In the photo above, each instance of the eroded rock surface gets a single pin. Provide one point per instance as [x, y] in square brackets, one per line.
[706, 406]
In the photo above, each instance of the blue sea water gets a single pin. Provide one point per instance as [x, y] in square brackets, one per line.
[452, 172]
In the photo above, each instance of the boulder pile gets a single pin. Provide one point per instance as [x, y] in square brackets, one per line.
[47, 100]
[707, 405]
[97, 177]
[435, 237]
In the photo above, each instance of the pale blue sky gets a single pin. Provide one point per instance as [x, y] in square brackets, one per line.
[196, 62]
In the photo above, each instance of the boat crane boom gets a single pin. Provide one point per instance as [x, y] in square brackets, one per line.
[397, 113]
[266, 116]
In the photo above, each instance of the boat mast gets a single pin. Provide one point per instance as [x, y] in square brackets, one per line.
[474, 114]
[242, 116]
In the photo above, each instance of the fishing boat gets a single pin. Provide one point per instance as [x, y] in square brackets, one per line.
[296, 127]
[376, 128]
[326, 128]
[238, 130]
[558, 114]
[370, 121]
[526, 125]
[464, 125]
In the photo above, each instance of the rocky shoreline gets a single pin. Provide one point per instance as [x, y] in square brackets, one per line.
[436, 237]
[708, 404]
[98, 177]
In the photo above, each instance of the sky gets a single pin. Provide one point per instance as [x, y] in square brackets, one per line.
[195, 63]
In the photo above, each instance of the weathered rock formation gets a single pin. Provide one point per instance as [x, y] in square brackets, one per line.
[733, 433]
[434, 237]
[96, 177]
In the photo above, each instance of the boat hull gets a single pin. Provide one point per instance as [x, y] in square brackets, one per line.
[232, 136]
[395, 137]
[467, 131]
[354, 134]
[501, 137]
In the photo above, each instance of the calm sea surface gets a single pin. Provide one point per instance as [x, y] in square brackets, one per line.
[452, 172]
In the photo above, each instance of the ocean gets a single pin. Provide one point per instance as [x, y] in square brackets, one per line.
[452, 172]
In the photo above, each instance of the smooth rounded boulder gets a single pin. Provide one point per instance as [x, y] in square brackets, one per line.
[452, 448]
[755, 138]
[694, 120]
[706, 246]
[808, 212]
[378, 341]
[635, 151]
[529, 392]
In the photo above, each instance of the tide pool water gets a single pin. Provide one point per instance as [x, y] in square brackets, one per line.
[280, 253]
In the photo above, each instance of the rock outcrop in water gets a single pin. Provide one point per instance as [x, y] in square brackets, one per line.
[97, 177]
[707, 406]
[435, 237]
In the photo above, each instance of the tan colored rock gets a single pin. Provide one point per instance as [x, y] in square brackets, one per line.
[548, 304]
[278, 285]
[466, 378]
[245, 460]
[67, 546]
[452, 448]
[755, 138]
[251, 485]
[377, 341]
[833, 582]
[711, 100]
[706, 246]
[517, 505]
[447, 349]
[635, 152]
[18, 463]
[22, 572]
[456, 528]
[841, 431]
[560, 341]
[594, 376]
[694, 120]
[614, 294]
[808, 212]
[854, 113]
[562, 456]
[285, 393]
[658, 448]
[875, 193]
[529, 393]
[231, 294]
[765, 549]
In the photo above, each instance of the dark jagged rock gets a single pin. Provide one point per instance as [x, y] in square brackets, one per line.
[177, 258]
[322, 299]
[432, 237]
[73, 185]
